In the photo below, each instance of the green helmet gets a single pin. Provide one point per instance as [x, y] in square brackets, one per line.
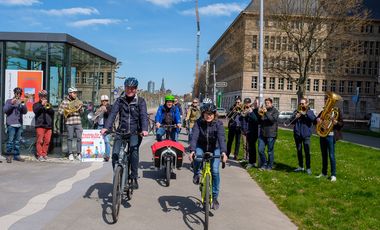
[169, 97]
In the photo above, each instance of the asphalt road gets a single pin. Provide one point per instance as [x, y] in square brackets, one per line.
[59, 194]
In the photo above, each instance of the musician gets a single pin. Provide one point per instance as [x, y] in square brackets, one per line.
[101, 115]
[303, 119]
[193, 113]
[268, 133]
[44, 116]
[234, 131]
[14, 108]
[327, 144]
[249, 130]
[73, 122]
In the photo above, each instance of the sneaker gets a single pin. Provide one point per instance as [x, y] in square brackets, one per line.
[71, 157]
[333, 178]
[18, 158]
[263, 168]
[235, 157]
[308, 171]
[215, 204]
[269, 168]
[40, 158]
[135, 184]
[9, 159]
[242, 161]
[250, 166]
[321, 175]
[299, 169]
[196, 179]
[45, 158]
[79, 157]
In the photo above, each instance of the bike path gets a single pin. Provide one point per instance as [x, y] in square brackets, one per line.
[154, 206]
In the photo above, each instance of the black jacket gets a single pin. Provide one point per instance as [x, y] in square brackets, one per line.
[133, 116]
[250, 123]
[269, 123]
[208, 136]
[43, 117]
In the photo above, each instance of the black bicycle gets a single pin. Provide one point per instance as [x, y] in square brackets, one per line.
[122, 181]
[151, 125]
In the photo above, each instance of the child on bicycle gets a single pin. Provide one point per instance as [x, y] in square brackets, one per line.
[208, 136]
[168, 114]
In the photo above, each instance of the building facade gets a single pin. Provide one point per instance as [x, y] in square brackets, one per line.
[64, 61]
[242, 76]
[151, 86]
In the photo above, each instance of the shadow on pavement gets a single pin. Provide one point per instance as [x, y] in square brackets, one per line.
[283, 167]
[189, 206]
[153, 173]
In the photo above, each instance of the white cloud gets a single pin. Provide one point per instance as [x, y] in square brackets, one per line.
[171, 50]
[166, 3]
[219, 9]
[92, 22]
[71, 11]
[19, 2]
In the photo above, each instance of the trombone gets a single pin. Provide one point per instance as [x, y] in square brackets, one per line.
[301, 110]
[235, 111]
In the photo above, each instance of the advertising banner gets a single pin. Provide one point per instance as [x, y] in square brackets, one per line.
[30, 81]
[93, 147]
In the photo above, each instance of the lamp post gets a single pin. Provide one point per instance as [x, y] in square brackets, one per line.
[261, 53]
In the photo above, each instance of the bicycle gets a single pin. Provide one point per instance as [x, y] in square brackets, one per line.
[122, 181]
[205, 185]
[151, 125]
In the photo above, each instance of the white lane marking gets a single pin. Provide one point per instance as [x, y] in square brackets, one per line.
[37, 203]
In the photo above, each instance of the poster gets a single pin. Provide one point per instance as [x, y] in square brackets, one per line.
[93, 148]
[30, 81]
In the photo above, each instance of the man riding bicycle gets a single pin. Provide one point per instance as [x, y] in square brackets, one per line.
[168, 114]
[208, 136]
[133, 119]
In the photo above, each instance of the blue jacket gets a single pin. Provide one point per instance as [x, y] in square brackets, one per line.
[160, 115]
[133, 116]
[14, 112]
[208, 136]
[302, 125]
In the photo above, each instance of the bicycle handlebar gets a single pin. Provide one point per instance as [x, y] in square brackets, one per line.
[223, 163]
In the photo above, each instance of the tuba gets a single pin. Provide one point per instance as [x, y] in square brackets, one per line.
[73, 106]
[328, 114]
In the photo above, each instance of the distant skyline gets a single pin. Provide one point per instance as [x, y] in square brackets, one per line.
[153, 39]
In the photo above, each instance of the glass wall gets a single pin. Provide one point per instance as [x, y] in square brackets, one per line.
[26, 55]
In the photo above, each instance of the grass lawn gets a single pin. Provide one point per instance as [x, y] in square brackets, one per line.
[352, 202]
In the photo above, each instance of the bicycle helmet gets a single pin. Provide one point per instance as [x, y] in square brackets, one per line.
[208, 108]
[131, 82]
[17, 90]
[247, 100]
[43, 93]
[207, 101]
[104, 98]
[169, 97]
[72, 89]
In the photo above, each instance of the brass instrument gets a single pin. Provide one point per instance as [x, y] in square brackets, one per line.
[245, 110]
[98, 114]
[235, 111]
[328, 114]
[301, 110]
[73, 106]
[47, 105]
[262, 110]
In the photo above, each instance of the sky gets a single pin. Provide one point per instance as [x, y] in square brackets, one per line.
[153, 39]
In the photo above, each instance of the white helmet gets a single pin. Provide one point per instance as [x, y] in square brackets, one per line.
[104, 98]
[72, 89]
[207, 101]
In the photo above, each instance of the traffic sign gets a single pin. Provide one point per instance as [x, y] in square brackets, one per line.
[220, 84]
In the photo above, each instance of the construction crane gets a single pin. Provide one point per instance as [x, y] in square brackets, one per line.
[196, 85]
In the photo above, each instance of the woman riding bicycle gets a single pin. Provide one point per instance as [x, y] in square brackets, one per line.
[208, 136]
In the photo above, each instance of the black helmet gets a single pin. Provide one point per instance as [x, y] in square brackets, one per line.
[209, 108]
[17, 90]
[247, 100]
[131, 82]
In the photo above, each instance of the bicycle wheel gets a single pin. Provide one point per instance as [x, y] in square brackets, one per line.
[116, 193]
[206, 203]
[168, 171]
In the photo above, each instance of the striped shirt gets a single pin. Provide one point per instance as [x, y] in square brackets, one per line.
[73, 118]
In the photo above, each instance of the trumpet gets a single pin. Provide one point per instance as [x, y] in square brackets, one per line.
[246, 110]
[235, 111]
[47, 105]
[262, 110]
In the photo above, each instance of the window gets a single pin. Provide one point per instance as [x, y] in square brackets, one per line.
[101, 78]
[377, 46]
[350, 86]
[324, 85]
[333, 85]
[289, 85]
[284, 43]
[293, 104]
[281, 83]
[375, 87]
[272, 42]
[254, 42]
[254, 82]
[271, 82]
[312, 65]
[316, 85]
[109, 78]
[346, 109]
[266, 42]
[254, 62]
[370, 68]
[341, 86]
[367, 87]
[363, 107]
[264, 82]
[371, 45]
[84, 77]
[364, 67]
[318, 64]
[359, 86]
[276, 102]
[278, 43]
[311, 103]
[308, 84]
[77, 79]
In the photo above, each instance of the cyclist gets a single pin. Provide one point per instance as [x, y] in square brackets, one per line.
[193, 113]
[167, 114]
[208, 136]
[133, 118]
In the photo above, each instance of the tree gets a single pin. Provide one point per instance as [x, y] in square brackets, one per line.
[314, 32]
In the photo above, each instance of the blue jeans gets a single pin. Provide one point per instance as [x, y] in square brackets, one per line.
[14, 137]
[263, 141]
[190, 134]
[160, 132]
[306, 147]
[106, 139]
[134, 143]
[327, 145]
[214, 169]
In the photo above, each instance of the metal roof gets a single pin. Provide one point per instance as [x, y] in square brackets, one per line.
[55, 37]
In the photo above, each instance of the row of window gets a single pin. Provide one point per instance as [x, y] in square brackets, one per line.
[318, 85]
[87, 78]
